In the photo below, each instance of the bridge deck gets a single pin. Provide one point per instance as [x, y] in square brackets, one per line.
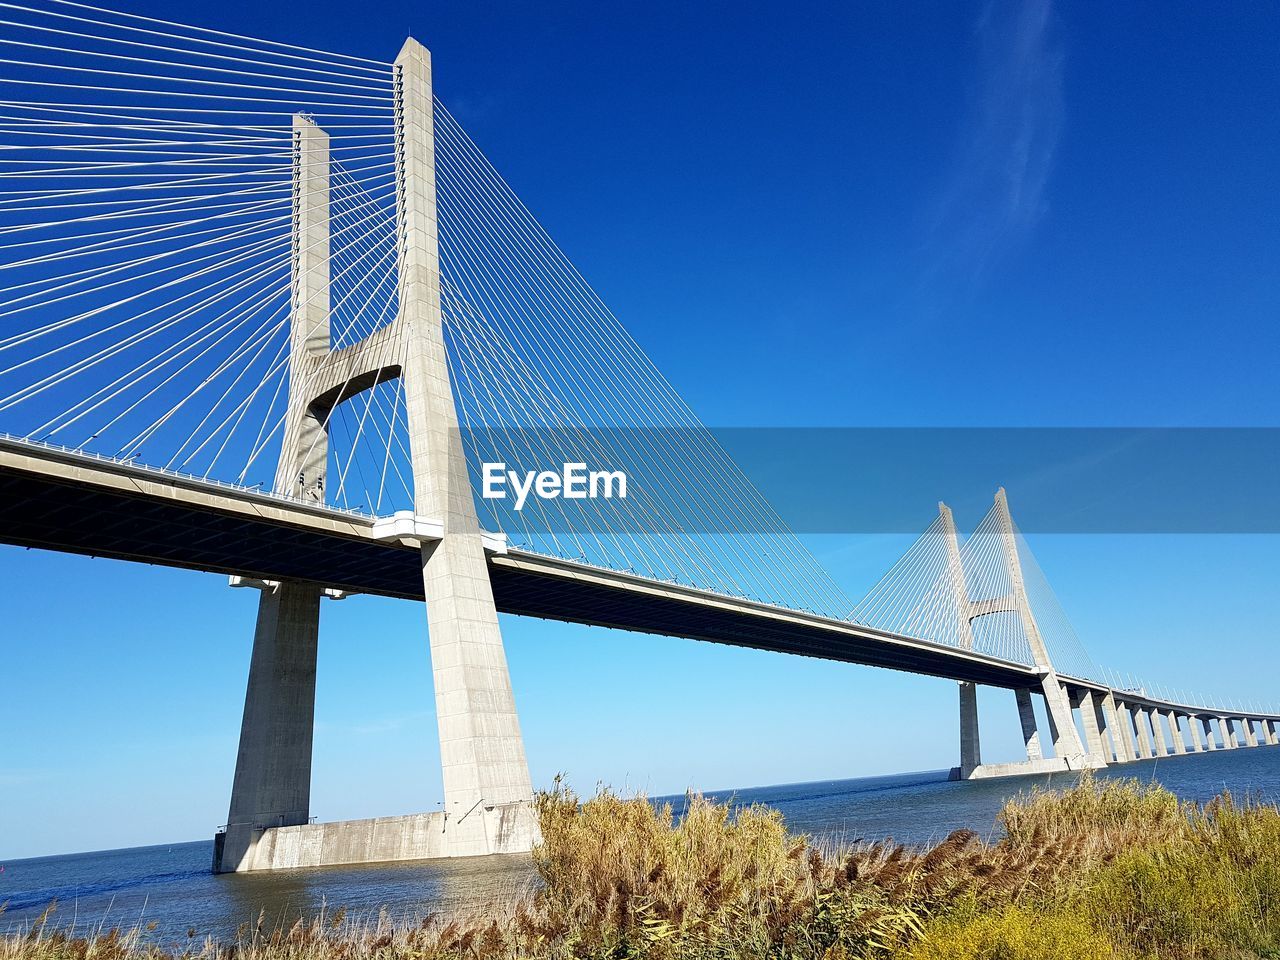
[65, 501]
[59, 500]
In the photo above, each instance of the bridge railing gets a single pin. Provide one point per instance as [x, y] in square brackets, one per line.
[255, 491]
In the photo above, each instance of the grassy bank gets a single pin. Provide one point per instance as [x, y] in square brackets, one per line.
[1107, 869]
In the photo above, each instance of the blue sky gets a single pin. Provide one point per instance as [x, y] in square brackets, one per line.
[1014, 214]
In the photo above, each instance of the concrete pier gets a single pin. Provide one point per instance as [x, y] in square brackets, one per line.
[970, 745]
[1193, 727]
[1115, 730]
[1250, 735]
[1027, 717]
[1225, 734]
[1157, 728]
[272, 785]
[1093, 722]
[1179, 745]
[1143, 730]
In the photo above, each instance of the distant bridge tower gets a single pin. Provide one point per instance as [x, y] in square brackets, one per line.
[1069, 751]
[486, 778]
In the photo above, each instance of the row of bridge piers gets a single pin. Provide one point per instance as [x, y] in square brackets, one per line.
[1110, 727]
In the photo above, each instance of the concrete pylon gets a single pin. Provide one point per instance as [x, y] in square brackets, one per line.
[1067, 745]
[1027, 717]
[970, 740]
[1226, 734]
[486, 778]
[481, 749]
[1250, 735]
[1193, 727]
[1179, 746]
[1157, 728]
[1209, 741]
[1269, 728]
[1119, 741]
[1093, 721]
[272, 783]
[1140, 724]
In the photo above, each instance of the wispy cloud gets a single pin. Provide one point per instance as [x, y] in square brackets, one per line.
[994, 193]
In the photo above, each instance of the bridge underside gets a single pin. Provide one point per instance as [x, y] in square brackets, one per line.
[69, 506]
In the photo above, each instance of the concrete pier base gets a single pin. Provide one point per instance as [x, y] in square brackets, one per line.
[1019, 768]
[421, 836]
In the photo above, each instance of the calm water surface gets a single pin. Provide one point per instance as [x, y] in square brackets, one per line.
[171, 884]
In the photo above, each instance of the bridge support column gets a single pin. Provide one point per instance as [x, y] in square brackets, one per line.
[1250, 735]
[272, 785]
[970, 744]
[1179, 746]
[1269, 728]
[1119, 742]
[1225, 733]
[481, 749]
[1089, 718]
[1157, 728]
[1210, 740]
[1193, 727]
[1143, 731]
[1027, 717]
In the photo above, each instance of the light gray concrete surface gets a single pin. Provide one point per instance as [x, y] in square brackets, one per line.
[1226, 734]
[1027, 718]
[970, 746]
[1146, 749]
[482, 752]
[272, 784]
[487, 830]
[1157, 728]
[1115, 731]
[1057, 705]
[1089, 719]
[1179, 746]
[1193, 727]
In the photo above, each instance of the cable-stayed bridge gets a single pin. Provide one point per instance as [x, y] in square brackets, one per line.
[269, 311]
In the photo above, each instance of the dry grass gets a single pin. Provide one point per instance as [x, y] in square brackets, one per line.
[1106, 869]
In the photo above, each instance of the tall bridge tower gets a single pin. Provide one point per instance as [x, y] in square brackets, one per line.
[486, 778]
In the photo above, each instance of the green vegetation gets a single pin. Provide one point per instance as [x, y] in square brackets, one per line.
[1108, 869]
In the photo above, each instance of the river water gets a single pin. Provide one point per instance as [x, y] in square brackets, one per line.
[171, 885]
